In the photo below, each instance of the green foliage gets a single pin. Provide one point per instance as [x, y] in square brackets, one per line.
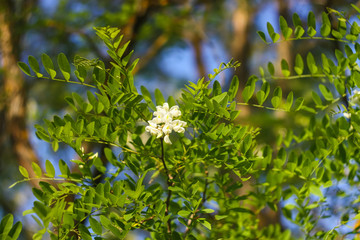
[194, 188]
[8, 231]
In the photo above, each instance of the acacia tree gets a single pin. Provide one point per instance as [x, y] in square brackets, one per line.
[176, 167]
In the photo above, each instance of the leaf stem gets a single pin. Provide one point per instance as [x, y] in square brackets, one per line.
[310, 38]
[62, 80]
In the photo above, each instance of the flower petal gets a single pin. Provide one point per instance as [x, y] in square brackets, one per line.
[167, 139]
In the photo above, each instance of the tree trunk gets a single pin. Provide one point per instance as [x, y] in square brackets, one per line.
[242, 21]
[13, 86]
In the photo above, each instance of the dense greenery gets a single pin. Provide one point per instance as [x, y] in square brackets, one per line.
[190, 183]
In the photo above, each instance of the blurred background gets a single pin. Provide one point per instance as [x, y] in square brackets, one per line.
[177, 41]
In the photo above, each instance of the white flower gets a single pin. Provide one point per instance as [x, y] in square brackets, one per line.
[160, 134]
[167, 129]
[152, 128]
[178, 126]
[163, 124]
[347, 115]
[95, 155]
[167, 118]
[175, 111]
[166, 107]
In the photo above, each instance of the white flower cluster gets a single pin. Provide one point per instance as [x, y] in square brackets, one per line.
[355, 98]
[163, 122]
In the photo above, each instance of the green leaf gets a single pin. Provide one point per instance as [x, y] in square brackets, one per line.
[99, 107]
[355, 7]
[316, 191]
[311, 21]
[262, 36]
[64, 169]
[37, 169]
[95, 226]
[285, 68]
[351, 37]
[216, 88]
[296, 20]
[23, 172]
[81, 73]
[261, 71]
[84, 232]
[289, 101]
[99, 72]
[326, 92]
[103, 130]
[110, 156]
[125, 60]
[25, 68]
[277, 96]
[64, 66]
[260, 96]
[342, 28]
[355, 76]
[311, 32]
[336, 34]
[147, 97]
[78, 99]
[159, 98]
[274, 36]
[340, 86]
[48, 65]
[325, 29]
[325, 64]
[207, 210]
[219, 217]
[311, 63]
[316, 98]
[271, 68]
[246, 144]
[234, 88]
[90, 128]
[34, 65]
[15, 231]
[298, 104]
[299, 31]
[206, 224]
[355, 29]
[55, 145]
[50, 170]
[263, 93]
[184, 213]
[249, 89]
[220, 97]
[285, 30]
[122, 49]
[6, 225]
[299, 64]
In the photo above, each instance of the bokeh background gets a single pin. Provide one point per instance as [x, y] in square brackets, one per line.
[176, 40]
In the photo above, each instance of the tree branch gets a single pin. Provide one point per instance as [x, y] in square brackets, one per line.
[189, 222]
[152, 51]
[169, 183]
